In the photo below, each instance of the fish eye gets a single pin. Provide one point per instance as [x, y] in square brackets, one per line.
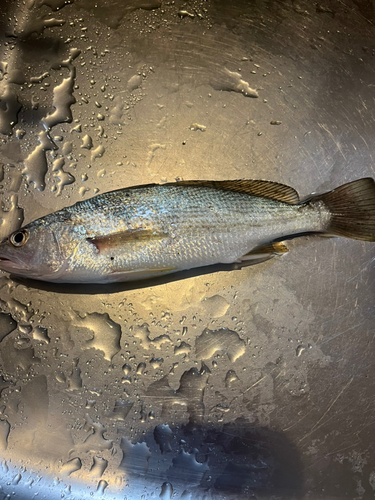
[19, 238]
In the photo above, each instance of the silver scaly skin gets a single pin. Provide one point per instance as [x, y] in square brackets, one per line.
[157, 229]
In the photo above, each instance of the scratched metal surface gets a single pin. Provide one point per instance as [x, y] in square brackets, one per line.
[252, 383]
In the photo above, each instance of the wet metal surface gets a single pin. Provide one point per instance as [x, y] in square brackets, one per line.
[251, 383]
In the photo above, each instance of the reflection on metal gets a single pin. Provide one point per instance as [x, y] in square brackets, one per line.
[249, 384]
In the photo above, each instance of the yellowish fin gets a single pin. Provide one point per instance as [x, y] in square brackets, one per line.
[264, 252]
[266, 189]
[113, 240]
[352, 208]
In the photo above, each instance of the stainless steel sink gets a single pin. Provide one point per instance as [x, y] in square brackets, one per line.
[218, 384]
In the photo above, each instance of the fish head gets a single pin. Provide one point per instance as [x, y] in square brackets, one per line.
[34, 251]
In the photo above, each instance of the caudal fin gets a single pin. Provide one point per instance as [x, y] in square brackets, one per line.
[352, 208]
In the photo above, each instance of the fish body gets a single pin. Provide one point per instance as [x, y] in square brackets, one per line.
[145, 231]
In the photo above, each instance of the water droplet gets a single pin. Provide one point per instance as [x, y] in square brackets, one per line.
[186, 468]
[210, 342]
[186, 495]
[60, 377]
[86, 142]
[65, 178]
[38, 24]
[96, 441]
[14, 358]
[151, 153]
[41, 334]
[20, 311]
[163, 437]
[300, 350]
[135, 457]
[143, 333]
[232, 81]
[67, 148]
[121, 410]
[83, 190]
[143, 415]
[156, 362]
[116, 114]
[216, 305]
[7, 325]
[35, 165]
[166, 491]
[126, 369]
[74, 379]
[141, 368]
[76, 128]
[11, 217]
[40, 78]
[106, 334]
[3, 384]
[17, 478]
[62, 100]
[71, 466]
[9, 108]
[184, 13]
[15, 180]
[197, 126]
[102, 485]
[183, 348]
[4, 433]
[97, 152]
[134, 82]
[20, 133]
[190, 392]
[98, 467]
[231, 378]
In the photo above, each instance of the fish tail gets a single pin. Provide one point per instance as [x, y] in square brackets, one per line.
[352, 209]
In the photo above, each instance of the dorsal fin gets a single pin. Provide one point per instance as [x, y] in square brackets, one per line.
[266, 189]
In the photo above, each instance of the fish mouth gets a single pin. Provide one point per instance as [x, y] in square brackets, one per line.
[10, 265]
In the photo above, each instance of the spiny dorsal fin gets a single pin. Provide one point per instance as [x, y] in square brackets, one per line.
[266, 189]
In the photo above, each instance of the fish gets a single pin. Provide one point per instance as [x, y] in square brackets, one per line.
[150, 230]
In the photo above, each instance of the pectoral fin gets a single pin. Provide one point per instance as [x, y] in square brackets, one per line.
[115, 240]
[264, 252]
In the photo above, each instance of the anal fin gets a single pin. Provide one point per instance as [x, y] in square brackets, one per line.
[263, 253]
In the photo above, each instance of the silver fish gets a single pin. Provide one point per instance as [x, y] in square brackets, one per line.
[150, 230]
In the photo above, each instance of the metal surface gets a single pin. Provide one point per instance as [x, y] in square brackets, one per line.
[253, 383]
